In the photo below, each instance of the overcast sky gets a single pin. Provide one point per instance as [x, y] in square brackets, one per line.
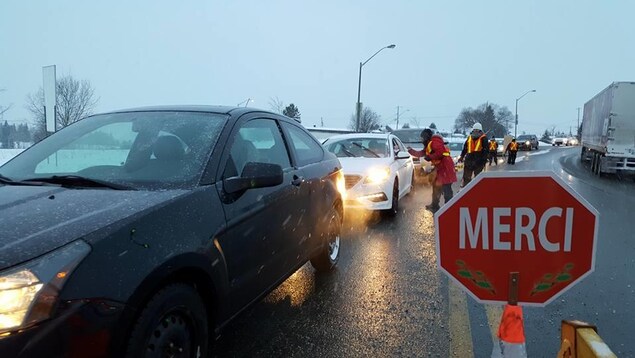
[449, 54]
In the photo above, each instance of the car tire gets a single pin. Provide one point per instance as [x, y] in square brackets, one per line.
[326, 259]
[173, 323]
[394, 208]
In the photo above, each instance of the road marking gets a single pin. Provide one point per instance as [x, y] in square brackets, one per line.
[494, 314]
[459, 325]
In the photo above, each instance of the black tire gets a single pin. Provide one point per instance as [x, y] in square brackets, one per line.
[326, 259]
[173, 323]
[394, 208]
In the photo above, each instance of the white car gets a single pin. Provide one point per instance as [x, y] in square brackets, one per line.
[559, 141]
[378, 171]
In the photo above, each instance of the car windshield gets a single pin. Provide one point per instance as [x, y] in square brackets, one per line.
[525, 137]
[143, 150]
[409, 136]
[358, 147]
[454, 146]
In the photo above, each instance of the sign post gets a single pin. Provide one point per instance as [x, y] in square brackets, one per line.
[50, 99]
[518, 238]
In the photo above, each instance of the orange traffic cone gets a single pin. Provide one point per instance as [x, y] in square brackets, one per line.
[512, 333]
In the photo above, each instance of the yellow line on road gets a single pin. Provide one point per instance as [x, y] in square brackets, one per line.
[459, 325]
[494, 314]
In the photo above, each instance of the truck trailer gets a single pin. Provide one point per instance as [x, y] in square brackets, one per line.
[608, 130]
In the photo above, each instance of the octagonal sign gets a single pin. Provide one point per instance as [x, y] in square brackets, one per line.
[531, 223]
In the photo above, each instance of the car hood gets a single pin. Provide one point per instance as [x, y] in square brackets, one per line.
[360, 166]
[37, 219]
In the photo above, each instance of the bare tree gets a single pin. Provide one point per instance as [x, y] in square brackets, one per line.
[276, 105]
[4, 109]
[493, 118]
[416, 122]
[75, 100]
[369, 120]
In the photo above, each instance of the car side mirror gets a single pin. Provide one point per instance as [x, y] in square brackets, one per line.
[255, 175]
[403, 155]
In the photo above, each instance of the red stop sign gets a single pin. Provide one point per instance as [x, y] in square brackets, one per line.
[532, 223]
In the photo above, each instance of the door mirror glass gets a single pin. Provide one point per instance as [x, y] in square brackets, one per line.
[255, 175]
[403, 155]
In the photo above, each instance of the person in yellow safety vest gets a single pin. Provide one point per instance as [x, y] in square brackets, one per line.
[475, 152]
[512, 149]
[493, 151]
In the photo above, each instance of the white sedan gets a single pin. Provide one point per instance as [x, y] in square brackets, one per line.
[378, 170]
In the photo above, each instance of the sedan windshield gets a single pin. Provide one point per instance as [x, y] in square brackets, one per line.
[358, 147]
[137, 150]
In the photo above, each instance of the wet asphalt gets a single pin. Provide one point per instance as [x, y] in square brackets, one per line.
[388, 299]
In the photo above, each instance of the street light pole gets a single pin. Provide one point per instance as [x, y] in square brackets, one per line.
[398, 115]
[577, 130]
[516, 116]
[358, 109]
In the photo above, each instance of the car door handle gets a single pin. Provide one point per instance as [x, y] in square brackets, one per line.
[297, 181]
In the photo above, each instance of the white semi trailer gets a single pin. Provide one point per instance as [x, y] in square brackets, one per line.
[608, 130]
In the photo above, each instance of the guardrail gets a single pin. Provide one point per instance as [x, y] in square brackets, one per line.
[580, 340]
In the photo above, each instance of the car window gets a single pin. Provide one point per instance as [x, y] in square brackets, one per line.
[149, 150]
[257, 141]
[397, 146]
[307, 150]
[358, 147]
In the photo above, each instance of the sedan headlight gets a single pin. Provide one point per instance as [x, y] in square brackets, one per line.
[341, 184]
[377, 175]
[29, 292]
[527, 143]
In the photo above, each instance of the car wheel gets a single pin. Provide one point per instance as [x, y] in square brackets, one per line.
[172, 324]
[328, 256]
[394, 208]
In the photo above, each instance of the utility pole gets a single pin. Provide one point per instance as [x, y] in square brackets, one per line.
[578, 129]
[398, 114]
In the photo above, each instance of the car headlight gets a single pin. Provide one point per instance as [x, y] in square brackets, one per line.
[377, 175]
[527, 143]
[29, 292]
[341, 184]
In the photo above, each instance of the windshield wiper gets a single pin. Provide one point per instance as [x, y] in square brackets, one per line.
[8, 181]
[368, 150]
[79, 181]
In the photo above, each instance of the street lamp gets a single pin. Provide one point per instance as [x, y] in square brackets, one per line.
[359, 86]
[516, 122]
[399, 114]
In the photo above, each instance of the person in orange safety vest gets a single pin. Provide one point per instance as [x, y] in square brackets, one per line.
[475, 152]
[512, 149]
[436, 152]
[493, 151]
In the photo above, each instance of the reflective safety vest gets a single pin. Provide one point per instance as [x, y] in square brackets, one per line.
[475, 146]
[446, 152]
[493, 145]
[513, 146]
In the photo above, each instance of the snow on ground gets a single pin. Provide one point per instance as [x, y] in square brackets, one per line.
[539, 152]
[7, 154]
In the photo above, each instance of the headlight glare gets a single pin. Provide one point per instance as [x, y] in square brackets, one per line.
[377, 175]
[29, 292]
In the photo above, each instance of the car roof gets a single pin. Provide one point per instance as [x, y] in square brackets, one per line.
[236, 111]
[359, 135]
